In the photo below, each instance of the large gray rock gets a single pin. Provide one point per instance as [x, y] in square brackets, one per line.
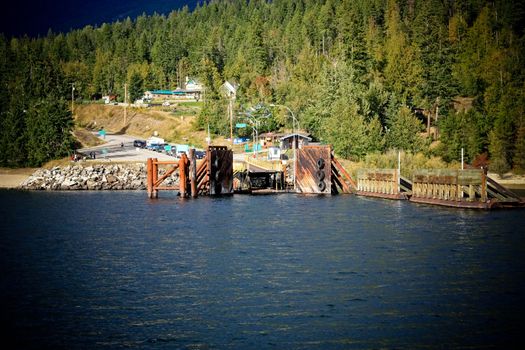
[90, 177]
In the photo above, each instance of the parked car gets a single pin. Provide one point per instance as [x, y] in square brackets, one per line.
[160, 147]
[156, 147]
[200, 154]
[139, 143]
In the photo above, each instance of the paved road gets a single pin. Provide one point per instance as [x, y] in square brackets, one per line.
[113, 151]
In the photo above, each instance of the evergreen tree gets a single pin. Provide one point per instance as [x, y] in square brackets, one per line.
[48, 130]
[12, 140]
[498, 158]
[345, 67]
[403, 131]
[136, 87]
[519, 153]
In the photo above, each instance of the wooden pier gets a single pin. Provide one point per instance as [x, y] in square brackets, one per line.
[211, 176]
[382, 183]
[468, 188]
[319, 172]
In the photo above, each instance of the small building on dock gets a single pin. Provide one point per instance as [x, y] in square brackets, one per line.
[287, 141]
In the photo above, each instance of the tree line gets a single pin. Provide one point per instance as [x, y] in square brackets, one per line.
[362, 75]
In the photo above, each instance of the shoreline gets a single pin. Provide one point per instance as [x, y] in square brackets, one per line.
[13, 178]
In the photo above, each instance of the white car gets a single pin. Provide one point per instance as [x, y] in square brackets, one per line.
[166, 103]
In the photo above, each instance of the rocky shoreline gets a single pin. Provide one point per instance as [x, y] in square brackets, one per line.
[91, 177]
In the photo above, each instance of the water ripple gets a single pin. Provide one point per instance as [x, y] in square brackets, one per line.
[111, 270]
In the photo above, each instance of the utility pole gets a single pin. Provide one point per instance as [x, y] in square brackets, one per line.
[72, 98]
[125, 102]
[230, 110]
[462, 153]
[232, 94]
[295, 141]
[437, 117]
[428, 122]
[398, 171]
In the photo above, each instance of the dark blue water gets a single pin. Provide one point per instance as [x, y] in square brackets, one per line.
[116, 270]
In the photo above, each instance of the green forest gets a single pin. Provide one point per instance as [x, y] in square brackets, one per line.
[363, 75]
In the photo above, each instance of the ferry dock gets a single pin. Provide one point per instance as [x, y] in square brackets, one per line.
[316, 170]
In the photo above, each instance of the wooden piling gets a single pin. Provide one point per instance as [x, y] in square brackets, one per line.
[484, 186]
[150, 177]
[183, 175]
[193, 172]
[155, 177]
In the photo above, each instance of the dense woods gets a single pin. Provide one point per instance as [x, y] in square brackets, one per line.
[363, 75]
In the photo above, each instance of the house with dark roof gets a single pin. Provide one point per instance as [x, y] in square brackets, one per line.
[287, 141]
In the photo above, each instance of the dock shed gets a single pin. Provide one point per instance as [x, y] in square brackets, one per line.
[287, 141]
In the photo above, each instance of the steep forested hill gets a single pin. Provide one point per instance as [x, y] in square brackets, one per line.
[363, 75]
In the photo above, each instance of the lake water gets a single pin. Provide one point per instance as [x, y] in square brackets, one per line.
[116, 270]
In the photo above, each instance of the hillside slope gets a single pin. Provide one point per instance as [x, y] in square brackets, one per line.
[142, 123]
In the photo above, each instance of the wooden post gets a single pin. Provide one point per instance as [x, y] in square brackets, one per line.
[155, 177]
[208, 169]
[283, 167]
[483, 186]
[149, 169]
[471, 193]
[398, 173]
[183, 175]
[193, 173]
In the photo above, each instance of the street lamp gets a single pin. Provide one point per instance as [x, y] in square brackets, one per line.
[294, 143]
[255, 126]
[254, 114]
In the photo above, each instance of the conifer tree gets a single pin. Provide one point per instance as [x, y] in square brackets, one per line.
[403, 131]
[519, 153]
[498, 157]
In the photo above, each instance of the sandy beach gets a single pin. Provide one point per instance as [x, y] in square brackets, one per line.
[12, 178]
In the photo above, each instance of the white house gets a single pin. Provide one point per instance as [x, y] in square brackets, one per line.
[229, 89]
[193, 89]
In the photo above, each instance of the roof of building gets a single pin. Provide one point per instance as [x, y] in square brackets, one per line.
[272, 134]
[303, 136]
[171, 92]
[231, 88]
[162, 92]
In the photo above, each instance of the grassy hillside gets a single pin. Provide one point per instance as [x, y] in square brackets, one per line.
[175, 125]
